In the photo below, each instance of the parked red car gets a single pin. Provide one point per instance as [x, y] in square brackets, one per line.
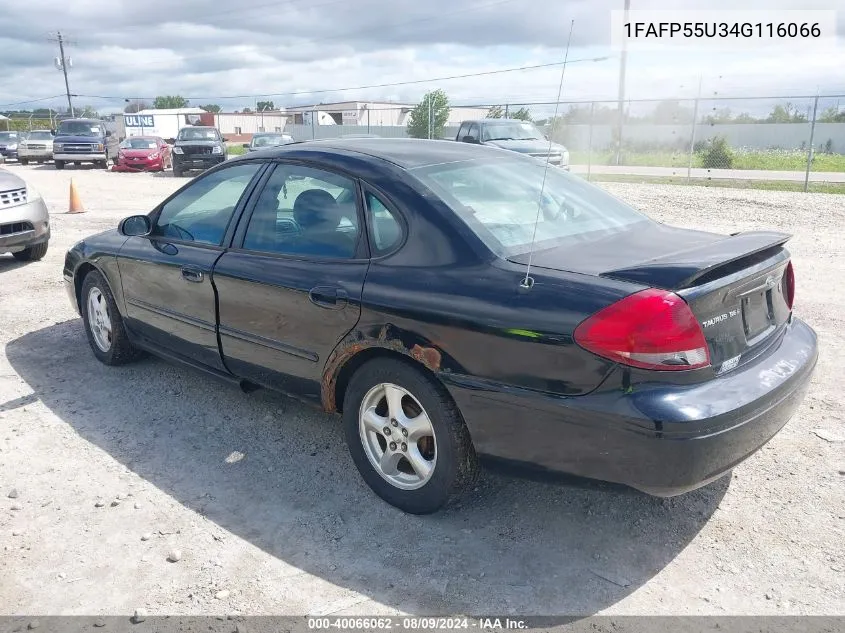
[143, 153]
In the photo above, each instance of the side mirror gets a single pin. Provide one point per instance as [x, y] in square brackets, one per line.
[470, 139]
[53, 131]
[108, 133]
[135, 225]
[170, 141]
[246, 145]
[225, 140]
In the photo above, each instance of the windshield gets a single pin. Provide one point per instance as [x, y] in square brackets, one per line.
[509, 130]
[139, 143]
[80, 128]
[43, 135]
[498, 199]
[198, 134]
[265, 141]
[8, 136]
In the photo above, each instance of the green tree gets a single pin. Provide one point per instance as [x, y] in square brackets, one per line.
[170, 101]
[523, 114]
[247, 110]
[496, 112]
[211, 107]
[265, 105]
[136, 106]
[832, 115]
[786, 114]
[429, 116]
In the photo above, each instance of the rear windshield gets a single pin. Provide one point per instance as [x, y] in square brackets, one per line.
[198, 134]
[499, 199]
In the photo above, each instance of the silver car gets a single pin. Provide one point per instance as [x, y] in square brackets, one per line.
[37, 147]
[24, 220]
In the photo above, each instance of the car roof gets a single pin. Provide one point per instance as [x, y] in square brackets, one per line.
[405, 152]
[495, 121]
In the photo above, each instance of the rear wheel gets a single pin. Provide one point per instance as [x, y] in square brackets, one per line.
[23, 161]
[60, 164]
[407, 437]
[103, 323]
[31, 254]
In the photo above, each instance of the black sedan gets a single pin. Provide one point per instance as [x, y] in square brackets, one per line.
[452, 300]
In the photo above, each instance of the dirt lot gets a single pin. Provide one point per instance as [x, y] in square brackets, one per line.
[115, 468]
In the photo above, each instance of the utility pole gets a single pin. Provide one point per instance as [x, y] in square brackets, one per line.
[622, 62]
[62, 63]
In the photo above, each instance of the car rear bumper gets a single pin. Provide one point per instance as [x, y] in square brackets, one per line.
[659, 438]
[128, 164]
[80, 158]
[23, 226]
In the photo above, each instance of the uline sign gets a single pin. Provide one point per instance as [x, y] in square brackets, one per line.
[138, 120]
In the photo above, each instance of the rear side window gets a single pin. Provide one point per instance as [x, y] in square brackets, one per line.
[385, 229]
[307, 212]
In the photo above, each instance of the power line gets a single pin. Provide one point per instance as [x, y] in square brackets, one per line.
[8, 105]
[368, 87]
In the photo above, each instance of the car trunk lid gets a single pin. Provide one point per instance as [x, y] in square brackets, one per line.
[737, 286]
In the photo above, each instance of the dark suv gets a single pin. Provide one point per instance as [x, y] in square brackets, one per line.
[198, 148]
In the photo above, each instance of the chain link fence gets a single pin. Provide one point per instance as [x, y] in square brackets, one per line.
[757, 138]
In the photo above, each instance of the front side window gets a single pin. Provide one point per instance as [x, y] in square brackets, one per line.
[201, 212]
[305, 211]
[500, 200]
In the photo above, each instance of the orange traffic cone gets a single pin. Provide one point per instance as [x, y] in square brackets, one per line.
[75, 202]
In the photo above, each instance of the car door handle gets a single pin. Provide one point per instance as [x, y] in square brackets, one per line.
[190, 273]
[328, 297]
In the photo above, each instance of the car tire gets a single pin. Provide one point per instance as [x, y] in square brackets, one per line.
[110, 344]
[60, 164]
[177, 172]
[23, 161]
[450, 463]
[102, 164]
[31, 254]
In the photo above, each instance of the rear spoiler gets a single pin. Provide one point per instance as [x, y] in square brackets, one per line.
[685, 268]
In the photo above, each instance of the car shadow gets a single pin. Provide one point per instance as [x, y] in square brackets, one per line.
[8, 262]
[512, 546]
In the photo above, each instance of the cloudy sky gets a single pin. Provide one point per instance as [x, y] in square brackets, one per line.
[308, 51]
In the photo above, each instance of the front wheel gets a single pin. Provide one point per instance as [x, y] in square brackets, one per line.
[103, 323]
[407, 437]
[60, 164]
[23, 161]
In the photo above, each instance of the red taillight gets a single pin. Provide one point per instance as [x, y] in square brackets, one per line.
[789, 285]
[652, 329]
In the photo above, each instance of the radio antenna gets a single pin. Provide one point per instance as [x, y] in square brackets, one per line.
[528, 281]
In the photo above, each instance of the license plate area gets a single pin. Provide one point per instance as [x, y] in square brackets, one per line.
[758, 315]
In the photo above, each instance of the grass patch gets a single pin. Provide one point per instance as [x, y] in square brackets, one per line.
[766, 185]
[236, 149]
[770, 160]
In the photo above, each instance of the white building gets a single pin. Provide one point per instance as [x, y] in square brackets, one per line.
[245, 124]
[370, 113]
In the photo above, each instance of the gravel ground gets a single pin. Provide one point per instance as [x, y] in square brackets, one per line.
[104, 472]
